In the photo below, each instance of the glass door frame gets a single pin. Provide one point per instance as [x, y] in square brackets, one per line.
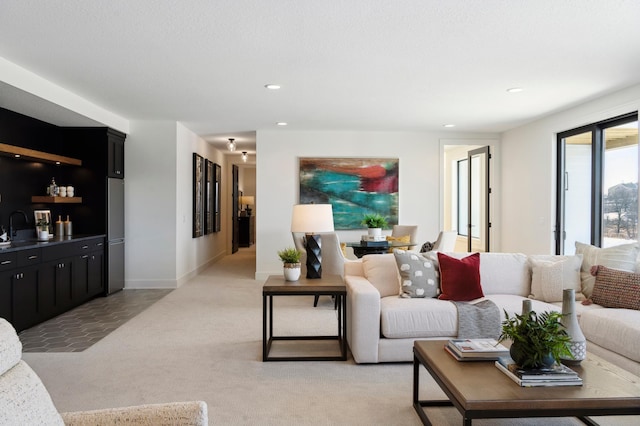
[597, 164]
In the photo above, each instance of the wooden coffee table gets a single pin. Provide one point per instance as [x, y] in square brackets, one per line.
[479, 390]
[328, 285]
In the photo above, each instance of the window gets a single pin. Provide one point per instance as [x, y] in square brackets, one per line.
[598, 184]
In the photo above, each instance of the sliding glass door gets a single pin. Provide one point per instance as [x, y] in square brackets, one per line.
[597, 195]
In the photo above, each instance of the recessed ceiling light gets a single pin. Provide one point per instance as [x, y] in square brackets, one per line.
[272, 86]
[282, 123]
[515, 90]
[448, 125]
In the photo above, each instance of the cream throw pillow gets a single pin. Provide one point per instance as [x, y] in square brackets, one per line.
[382, 273]
[621, 257]
[550, 275]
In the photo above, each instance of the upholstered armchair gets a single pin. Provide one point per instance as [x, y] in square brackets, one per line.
[446, 241]
[25, 401]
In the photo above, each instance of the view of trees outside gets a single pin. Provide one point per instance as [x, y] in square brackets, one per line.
[620, 198]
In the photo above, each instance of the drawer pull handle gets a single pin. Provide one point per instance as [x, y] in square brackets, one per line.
[85, 256]
[33, 257]
[85, 247]
[99, 244]
[5, 262]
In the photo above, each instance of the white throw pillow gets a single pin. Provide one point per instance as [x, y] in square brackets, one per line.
[550, 275]
[382, 273]
[621, 257]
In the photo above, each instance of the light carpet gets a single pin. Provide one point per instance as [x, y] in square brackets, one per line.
[203, 341]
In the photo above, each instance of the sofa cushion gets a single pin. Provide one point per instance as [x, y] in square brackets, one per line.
[622, 257]
[550, 275]
[419, 277]
[618, 330]
[382, 273]
[616, 289]
[460, 278]
[425, 317]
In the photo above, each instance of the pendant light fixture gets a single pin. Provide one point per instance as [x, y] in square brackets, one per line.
[244, 156]
[231, 144]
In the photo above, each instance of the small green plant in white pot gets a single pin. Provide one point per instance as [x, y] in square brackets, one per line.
[290, 258]
[375, 222]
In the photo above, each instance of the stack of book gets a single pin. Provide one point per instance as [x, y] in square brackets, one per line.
[476, 349]
[557, 375]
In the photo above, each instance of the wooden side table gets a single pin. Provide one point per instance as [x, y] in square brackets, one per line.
[328, 285]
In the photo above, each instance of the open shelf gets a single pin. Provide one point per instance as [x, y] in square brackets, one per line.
[55, 200]
[32, 154]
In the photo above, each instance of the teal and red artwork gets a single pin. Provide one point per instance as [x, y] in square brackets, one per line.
[353, 186]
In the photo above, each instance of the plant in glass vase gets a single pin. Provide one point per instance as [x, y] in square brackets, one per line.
[537, 340]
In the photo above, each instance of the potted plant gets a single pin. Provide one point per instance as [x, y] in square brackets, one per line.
[537, 340]
[291, 262]
[375, 222]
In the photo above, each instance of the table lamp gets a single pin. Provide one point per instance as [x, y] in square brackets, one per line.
[249, 201]
[311, 219]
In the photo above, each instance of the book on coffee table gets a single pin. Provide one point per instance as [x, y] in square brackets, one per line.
[487, 349]
[558, 375]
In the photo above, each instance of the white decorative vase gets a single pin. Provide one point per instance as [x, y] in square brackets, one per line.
[292, 271]
[43, 235]
[578, 345]
[375, 232]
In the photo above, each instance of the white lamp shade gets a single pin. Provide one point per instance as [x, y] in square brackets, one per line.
[247, 199]
[312, 218]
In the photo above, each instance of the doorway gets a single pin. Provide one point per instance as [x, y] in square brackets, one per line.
[466, 195]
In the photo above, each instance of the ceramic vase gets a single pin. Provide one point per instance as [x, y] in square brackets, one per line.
[578, 345]
[375, 232]
[292, 271]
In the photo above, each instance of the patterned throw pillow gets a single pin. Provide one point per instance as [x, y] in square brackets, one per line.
[550, 275]
[616, 289]
[418, 275]
[402, 239]
[460, 278]
[622, 257]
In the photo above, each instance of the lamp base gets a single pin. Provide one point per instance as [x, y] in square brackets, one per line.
[313, 243]
[248, 211]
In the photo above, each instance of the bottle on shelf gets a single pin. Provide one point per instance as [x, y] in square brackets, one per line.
[59, 226]
[53, 188]
[67, 227]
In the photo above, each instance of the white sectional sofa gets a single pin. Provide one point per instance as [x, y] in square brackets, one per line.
[383, 325]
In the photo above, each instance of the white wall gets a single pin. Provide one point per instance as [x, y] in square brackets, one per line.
[160, 250]
[150, 205]
[193, 254]
[278, 186]
[529, 167]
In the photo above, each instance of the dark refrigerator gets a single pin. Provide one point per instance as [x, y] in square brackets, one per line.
[115, 235]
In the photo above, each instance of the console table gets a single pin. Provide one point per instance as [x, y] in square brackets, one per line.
[328, 285]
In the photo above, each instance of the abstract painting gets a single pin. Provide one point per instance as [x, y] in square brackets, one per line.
[353, 186]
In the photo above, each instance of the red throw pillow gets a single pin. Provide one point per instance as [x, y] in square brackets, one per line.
[460, 278]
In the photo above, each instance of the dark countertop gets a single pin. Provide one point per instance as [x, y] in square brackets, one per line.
[33, 243]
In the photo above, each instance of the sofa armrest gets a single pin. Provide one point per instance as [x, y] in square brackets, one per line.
[191, 413]
[363, 319]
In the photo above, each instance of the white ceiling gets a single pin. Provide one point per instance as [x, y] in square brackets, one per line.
[376, 65]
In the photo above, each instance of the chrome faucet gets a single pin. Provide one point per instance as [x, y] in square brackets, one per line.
[11, 231]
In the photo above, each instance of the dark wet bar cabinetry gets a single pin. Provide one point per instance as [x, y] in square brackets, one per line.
[39, 280]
